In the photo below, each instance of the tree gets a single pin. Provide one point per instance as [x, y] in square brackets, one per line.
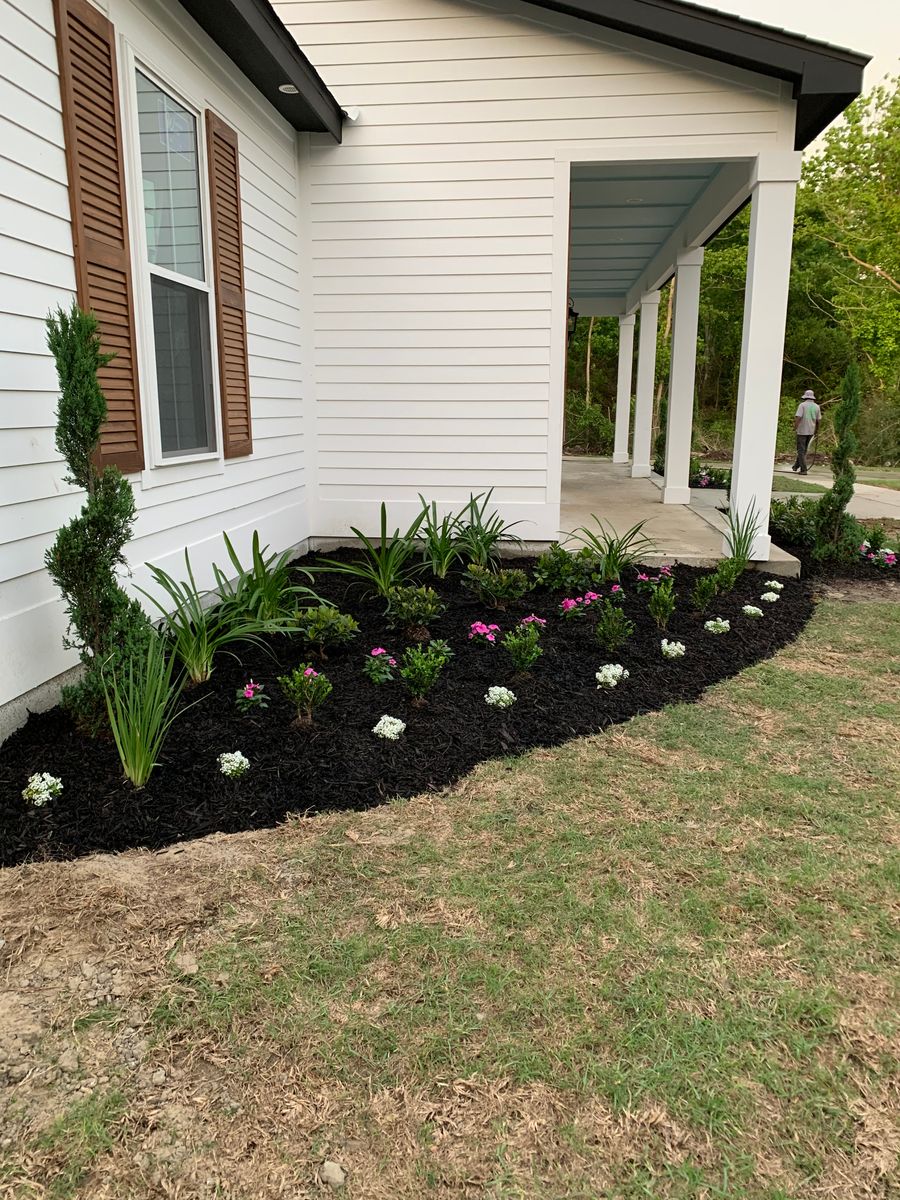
[836, 531]
[105, 624]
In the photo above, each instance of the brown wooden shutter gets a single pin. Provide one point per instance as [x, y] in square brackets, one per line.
[228, 264]
[93, 135]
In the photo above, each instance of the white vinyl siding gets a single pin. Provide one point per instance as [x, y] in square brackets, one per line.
[188, 504]
[432, 232]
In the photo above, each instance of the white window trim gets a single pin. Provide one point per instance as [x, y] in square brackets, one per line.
[159, 469]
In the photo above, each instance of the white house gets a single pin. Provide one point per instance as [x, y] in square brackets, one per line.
[332, 244]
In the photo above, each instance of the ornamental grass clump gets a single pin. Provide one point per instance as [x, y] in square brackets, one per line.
[717, 625]
[265, 591]
[421, 667]
[522, 644]
[441, 548]
[614, 552]
[610, 676]
[306, 688]
[383, 564]
[141, 704]
[497, 588]
[379, 665]
[41, 788]
[480, 533]
[613, 628]
[106, 626]
[499, 697]
[413, 609]
[661, 604]
[325, 626]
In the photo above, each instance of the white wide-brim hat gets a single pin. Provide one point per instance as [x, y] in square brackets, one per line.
[809, 394]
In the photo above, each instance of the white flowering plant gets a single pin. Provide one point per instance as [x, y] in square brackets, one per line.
[770, 597]
[752, 610]
[233, 764]
[611, 675]
[388, 728]
[717, 625]
[499, 697]
[41, 788]
[774, 585]
[671, 649]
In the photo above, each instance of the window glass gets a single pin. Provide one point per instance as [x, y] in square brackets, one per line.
[181, 337]
[171, 180]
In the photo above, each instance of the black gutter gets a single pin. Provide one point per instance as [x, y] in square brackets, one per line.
[258, 44]
[825, 78]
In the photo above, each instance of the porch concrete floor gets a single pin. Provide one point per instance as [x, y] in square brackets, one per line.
[680, 532]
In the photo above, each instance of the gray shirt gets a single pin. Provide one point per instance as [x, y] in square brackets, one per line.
[810, 414]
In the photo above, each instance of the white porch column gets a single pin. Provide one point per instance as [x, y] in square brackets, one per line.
[646, 378]
[762, 348]
[680, 420]
[623, 388]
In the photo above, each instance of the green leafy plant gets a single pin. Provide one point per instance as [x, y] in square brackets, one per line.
[728, 571]
[413, 608]
[106, 626]
[440, 537]
[198, 629]
[792, 522]
[566, 570]
[837, 534]
[705, 590]
[306, 688]
[613, 628]
[741, 534]
[661, 604]
[386, 563]
[614, 552]
[497, 588]
[141, 704]
[523, 645]
[482, 533]
[264, 591]
[421, 667]
[324, 626]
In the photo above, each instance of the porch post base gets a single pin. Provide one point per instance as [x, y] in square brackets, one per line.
[676, 495]
[620, 456]
[641, 471]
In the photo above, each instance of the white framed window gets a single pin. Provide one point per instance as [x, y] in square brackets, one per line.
[173, 256]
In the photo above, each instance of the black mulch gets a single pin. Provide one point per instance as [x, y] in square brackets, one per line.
[339, 764]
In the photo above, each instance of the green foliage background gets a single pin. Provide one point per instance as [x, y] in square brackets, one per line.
[844, 302]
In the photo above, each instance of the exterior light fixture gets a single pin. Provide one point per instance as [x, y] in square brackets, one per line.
[289, 89]
[571, 321]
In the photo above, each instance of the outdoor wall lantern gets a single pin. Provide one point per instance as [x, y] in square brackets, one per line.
[572, 320]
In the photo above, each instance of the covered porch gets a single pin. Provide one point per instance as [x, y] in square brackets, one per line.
[689, 533]
[634, 224]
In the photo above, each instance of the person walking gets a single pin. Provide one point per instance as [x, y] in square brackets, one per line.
[806, 426]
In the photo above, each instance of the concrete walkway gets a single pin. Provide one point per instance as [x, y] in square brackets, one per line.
[689, 534]
[869, 502]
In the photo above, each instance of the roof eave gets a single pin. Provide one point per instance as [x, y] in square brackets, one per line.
[256, 41]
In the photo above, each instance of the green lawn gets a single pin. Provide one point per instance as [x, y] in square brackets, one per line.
[657, 963]
[791, 483]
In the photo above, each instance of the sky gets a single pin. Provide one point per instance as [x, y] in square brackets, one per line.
[870, 26]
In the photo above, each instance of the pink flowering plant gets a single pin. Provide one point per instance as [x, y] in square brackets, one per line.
[251, 696]
[533, 619]
[379, 665]
[306, 688]
[480, 631]
[577, 606]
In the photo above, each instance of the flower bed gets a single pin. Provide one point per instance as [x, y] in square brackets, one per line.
[336, 762]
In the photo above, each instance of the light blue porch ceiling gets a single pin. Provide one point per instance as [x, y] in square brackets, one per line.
[621, 217]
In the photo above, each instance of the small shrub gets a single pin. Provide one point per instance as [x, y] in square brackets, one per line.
[497, 588]
[379, 665]
[141, 704]
[792, 522]
[613, 628]
[661, 604]
[413, 608]
[523, 645]
[325, 626]
[306, 689]
[567, 571]
[837, 534]
[705, 591]
[420, 668]
[728, 571]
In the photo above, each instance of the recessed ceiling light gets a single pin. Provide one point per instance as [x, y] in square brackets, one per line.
[289, 89]
[634, 200]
